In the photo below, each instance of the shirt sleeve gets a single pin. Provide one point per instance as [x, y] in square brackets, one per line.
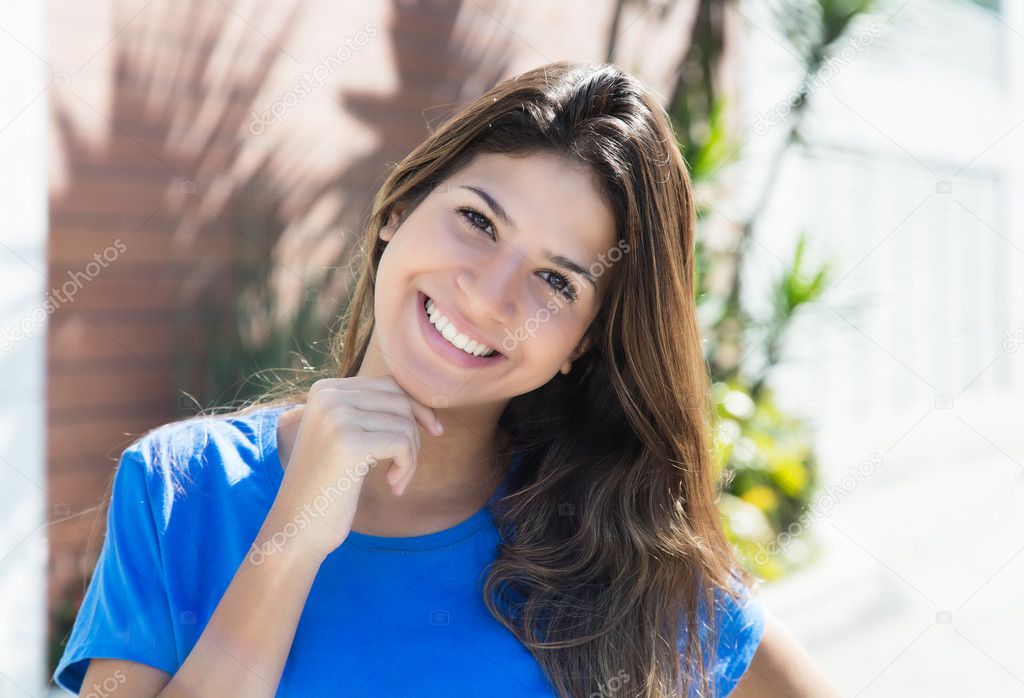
[125, 612]
[742, 625]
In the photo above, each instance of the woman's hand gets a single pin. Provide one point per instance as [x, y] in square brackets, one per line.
[348, 427]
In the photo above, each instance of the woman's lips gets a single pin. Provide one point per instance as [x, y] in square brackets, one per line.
[444, 348]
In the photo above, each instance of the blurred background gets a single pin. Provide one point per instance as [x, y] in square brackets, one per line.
[184, 185]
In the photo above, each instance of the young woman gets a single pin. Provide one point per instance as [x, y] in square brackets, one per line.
[503, 484]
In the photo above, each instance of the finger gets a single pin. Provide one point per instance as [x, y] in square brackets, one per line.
[386, 422]
[387, 397]
[425, 414]
[402, 482]
[385, 403]
[403, 462]
[387, 447]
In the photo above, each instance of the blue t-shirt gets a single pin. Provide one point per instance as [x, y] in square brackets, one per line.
[395, 616]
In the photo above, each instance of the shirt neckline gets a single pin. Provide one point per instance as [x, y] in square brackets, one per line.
[461, 531]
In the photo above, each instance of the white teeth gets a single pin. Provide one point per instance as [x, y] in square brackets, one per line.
[452, 334]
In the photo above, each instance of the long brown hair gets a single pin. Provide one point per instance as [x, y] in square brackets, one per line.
[611, 536]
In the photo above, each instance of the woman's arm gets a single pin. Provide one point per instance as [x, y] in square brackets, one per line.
[782, 668]
[243, 649]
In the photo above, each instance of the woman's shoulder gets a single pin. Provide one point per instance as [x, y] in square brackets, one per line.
[199, 455]
[741, 621]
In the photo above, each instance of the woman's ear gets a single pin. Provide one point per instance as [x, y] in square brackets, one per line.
[579, 351]
[395, 218]
[583, 347]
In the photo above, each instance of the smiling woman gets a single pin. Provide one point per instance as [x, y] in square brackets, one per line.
[528, 280]
[485, 272]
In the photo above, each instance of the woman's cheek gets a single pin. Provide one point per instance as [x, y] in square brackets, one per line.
[557, 327]
[432, 244]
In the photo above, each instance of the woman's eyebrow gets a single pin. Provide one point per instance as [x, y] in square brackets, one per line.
[502, 215]
[497, 208]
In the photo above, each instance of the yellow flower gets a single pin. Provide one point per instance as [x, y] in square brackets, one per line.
[761, 496]
[791, 475]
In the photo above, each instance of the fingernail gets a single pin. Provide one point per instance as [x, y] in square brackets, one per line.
[438, 428]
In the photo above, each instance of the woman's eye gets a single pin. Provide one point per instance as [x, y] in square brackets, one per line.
[477, 220]
[563, 285]
[481, 222]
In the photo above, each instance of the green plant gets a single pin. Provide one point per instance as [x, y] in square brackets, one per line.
[770, 474]
[256, 331]
[767, 464]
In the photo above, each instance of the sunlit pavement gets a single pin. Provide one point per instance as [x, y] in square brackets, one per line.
[921, 590]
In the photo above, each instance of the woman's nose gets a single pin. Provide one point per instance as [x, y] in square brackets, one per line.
[490, 291]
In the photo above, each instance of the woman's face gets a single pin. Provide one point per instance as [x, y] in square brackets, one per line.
[480, 246]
